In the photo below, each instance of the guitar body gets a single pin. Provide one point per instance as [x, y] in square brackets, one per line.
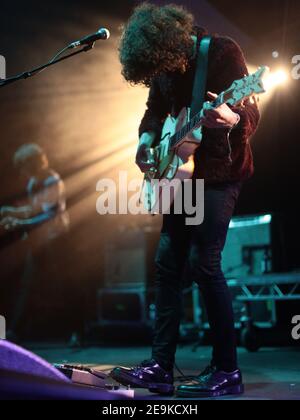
[175, 164]
[179, 164]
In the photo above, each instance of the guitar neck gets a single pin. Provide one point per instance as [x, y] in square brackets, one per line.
[180, 135]
[250, 85]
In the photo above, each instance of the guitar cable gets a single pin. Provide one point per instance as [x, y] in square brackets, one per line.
[183, 377]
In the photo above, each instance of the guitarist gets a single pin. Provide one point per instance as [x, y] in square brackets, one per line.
[44, 203]
[158, 49]
[38, 217]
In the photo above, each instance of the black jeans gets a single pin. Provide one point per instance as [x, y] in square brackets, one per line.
[200, 247]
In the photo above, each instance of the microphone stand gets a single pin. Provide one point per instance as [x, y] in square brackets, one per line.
[33, 72]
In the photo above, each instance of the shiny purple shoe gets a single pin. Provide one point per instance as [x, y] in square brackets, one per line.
[148, 375]
[216, 384]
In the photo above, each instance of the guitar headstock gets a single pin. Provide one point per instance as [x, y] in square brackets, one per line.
[246, 87]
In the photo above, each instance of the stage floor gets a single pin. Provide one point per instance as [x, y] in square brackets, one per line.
[270, 374]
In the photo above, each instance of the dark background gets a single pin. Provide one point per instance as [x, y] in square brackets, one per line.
[86, 118]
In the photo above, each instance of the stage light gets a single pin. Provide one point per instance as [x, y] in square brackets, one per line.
[275, 79]
[275, 54]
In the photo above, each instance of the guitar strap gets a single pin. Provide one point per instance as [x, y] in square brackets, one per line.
[199, 89]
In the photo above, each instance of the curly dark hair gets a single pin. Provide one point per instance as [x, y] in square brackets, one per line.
[155, 40]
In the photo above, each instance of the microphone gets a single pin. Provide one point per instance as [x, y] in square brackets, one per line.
[102, 34]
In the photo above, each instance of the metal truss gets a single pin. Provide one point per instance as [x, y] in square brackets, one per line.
[268, 287]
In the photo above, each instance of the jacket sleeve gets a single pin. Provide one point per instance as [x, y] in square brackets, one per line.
[156, 111]
[230, 64]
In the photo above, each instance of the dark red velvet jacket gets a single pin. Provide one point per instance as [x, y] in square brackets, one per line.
[169, 93]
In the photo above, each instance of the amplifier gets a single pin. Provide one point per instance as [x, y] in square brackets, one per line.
[248, 249]
[122, 306]
[125, 258]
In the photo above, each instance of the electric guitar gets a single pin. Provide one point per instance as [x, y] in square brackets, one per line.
[181, 136]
